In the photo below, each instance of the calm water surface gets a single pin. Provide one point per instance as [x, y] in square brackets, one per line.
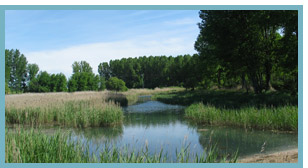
[161, 126]
[157, 126]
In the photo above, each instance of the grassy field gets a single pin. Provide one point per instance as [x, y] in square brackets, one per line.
[35, 147]
[273, 118]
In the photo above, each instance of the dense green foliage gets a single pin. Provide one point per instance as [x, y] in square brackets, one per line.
[83, 78]
[154, 71]
[73, 114]
[23, 77]
[116, 84]
[36, 147]
[15, 70]
[44, 82]
[280, 118]
[227, 99]
[246, 47]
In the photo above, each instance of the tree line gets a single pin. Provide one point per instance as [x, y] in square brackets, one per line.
[252, 49]
[142, 72]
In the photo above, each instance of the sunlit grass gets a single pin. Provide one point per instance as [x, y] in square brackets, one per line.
[276, 118]
[83, 113]
[32, 146]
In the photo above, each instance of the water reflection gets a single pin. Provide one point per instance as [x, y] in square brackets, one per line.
[168, 129]
[248, 142]
[163, 126]
[152, 106]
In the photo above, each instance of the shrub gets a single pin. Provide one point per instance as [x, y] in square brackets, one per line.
[116, 84]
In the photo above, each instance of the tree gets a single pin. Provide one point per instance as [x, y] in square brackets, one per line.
[7, 89]
[41, 83]
[240, 44]
[8, 65]
[83, 78]
[61, 84]
[16, 70]
[81, 66]
[116, 84]
[32, 69]
[101, 83]
[104, 70]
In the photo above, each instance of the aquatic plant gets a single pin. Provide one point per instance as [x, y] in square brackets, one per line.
[276, 118]
[32, 146]
[82, 113]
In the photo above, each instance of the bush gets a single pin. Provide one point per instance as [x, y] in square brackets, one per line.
[116, 84]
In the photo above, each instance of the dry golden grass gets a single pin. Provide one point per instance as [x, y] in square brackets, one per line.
[44, 99]
[80, 109]
[26, 100]
[132, 94]
[151, 91]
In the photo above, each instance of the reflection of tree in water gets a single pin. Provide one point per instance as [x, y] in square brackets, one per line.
[228, 140]
[100, 134]
[152, 119]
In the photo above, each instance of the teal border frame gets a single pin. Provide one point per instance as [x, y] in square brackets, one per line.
[154, 7]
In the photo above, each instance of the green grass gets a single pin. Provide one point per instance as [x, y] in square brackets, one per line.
[275, 118]
[35, 147]
[85, 113]
[227, 99]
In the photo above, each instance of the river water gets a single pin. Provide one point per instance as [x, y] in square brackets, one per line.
[155, 126]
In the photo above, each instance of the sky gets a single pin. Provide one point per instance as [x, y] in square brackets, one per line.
[54, 39]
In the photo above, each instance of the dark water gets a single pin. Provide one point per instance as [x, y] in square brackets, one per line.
[161, 126]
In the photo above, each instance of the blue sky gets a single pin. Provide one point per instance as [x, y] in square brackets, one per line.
[55, 39]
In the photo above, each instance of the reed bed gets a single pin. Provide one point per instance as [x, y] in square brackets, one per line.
[77, 113]
[277, 118]
[34, 147]
[133, 94]
[46, 99]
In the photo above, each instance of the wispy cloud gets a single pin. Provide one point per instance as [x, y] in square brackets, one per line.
[55, 39]
[56, 61]
[183, 21]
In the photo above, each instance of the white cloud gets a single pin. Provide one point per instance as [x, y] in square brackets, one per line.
[56, 61]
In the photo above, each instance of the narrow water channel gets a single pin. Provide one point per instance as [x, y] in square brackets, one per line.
[157, 126]
[161, 126]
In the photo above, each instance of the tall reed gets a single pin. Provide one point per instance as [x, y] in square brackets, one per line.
[24, 146]
[79, 113]
[34, 147]
[276, 118]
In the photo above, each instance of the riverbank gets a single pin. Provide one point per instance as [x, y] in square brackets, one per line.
[77, 109]
[226, 98]
[287, 156]
[284, 118]
[266, 111]
[80, 109]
